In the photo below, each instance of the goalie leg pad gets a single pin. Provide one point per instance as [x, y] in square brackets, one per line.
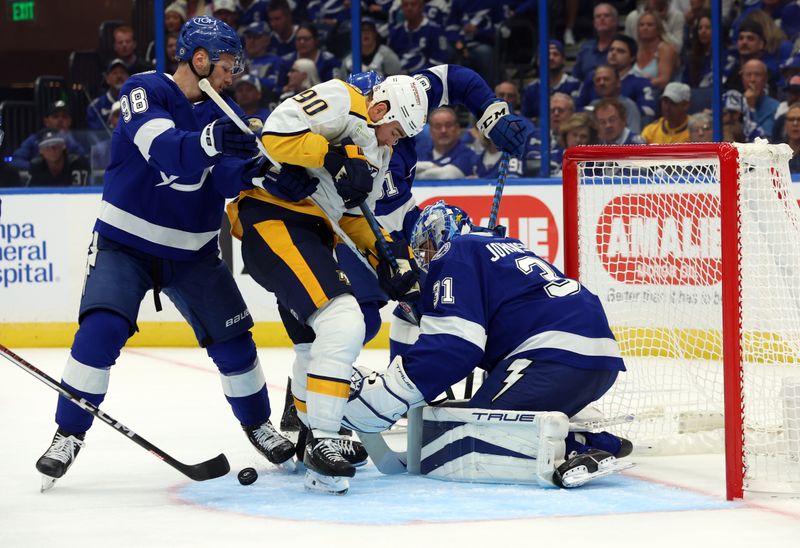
[492, 445]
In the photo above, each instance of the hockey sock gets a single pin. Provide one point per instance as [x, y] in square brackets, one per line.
[96, 347]
[242, 378]
[372, 319]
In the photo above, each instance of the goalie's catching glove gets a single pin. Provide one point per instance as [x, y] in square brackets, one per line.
[292, 184]
[378, 399]
[507, 131]
[401, 283]
[350, 172]
[223, 136]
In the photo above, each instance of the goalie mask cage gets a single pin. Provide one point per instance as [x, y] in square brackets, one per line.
[694, 251]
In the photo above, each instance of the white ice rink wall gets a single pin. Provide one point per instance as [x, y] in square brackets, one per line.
[45, 233]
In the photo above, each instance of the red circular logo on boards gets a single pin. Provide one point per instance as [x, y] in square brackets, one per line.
[669, 239]
[527, 218]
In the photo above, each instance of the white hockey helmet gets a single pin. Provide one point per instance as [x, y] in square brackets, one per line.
[407, 101]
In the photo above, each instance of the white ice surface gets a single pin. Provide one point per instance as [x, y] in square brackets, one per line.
[117, 495]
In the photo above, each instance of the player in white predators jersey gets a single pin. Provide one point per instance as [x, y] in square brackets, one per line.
[344, 140]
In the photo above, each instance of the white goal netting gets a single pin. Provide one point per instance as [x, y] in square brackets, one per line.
[649, 245]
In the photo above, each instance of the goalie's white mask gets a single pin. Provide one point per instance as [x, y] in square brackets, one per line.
[437, 224]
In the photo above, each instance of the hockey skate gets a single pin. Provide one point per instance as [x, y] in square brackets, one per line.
[59, 457]
[352, 450]
[589, 466]
[327, 470]
[290, 422]
[272, 445]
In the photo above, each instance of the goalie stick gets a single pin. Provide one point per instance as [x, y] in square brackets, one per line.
[210, 469]
[502, 174]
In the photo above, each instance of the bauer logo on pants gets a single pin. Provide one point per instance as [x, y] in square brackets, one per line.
[670, 239]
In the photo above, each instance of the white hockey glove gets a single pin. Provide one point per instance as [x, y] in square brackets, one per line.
[379, 399]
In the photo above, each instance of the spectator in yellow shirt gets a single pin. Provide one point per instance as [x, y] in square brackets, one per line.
[673, 126]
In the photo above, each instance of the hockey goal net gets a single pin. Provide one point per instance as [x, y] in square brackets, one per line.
[694, 251]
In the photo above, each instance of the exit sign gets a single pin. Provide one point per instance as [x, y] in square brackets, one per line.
[22, 11]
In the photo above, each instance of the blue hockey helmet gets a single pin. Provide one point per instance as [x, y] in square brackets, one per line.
[214, 36]
[365, 81]
[438, 224]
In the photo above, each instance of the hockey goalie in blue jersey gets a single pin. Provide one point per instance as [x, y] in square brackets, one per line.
[175, 158]
[489, 303]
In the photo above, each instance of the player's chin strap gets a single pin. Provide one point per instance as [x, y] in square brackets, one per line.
[200, 76]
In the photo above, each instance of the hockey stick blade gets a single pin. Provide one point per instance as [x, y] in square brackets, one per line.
[206, 470]
[385, 459]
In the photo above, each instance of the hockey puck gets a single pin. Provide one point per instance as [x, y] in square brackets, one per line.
[247, 476]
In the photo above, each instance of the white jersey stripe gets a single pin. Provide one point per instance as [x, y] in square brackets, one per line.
[86, 378]
[169, 237]
[403, 332]
[243, 384]
[148, 132]
[453, 325]
[393, 222]
[577, 344]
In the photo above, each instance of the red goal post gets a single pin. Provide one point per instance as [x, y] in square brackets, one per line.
[683, 243]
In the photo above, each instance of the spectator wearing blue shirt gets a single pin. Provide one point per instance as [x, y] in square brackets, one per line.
[260, 63]
[471, 30]
[307, 47]
[560, 81]
[282, 41]
[98, 110]
[608, 85]
[418, 41]
[58, 118]
[448, 157]
[595, 51]
[762, 106]
[251, 11]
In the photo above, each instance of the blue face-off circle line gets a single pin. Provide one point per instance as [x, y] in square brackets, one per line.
[375, 499]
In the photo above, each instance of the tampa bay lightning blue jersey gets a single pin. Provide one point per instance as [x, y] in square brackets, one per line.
[162, 193]
[636, 88]
[487, 298]
[396, 210]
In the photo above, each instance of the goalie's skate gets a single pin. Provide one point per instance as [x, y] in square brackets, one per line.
[586, 467]
[272, 445]
[59, 457]
[327, 470]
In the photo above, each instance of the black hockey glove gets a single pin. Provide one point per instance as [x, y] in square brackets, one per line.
[402, 283]
[292, 184]
[222, 136]
[350, 172]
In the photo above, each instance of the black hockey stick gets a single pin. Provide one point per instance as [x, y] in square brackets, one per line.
[502, 174]
[408, 308]
[210, 469]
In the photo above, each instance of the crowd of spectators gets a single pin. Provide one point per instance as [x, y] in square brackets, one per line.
[626, 72]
